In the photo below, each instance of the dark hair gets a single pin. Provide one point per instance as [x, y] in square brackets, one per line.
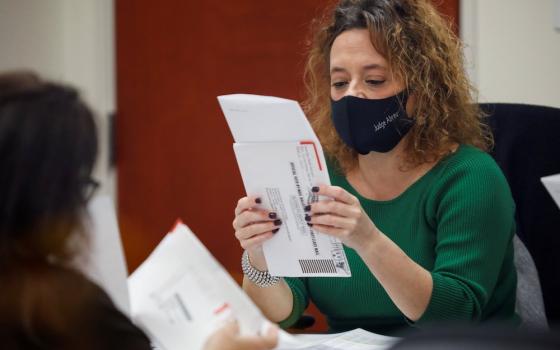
[424, 53]
[48, 147]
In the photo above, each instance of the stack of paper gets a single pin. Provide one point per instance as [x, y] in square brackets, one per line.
[357, 339]
[280, 160]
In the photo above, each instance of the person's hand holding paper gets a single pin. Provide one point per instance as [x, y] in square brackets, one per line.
[281, 160]
[227, 338]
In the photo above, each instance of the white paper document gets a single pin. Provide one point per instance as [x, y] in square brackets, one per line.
[181, 294]
[357, 339]
[552, 184]
[280, 160]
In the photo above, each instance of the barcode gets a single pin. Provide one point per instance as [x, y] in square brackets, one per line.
[317, 266]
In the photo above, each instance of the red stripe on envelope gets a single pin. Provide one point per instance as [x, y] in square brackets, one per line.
[316, 152]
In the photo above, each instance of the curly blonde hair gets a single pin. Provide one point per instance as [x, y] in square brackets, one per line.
[424, 53]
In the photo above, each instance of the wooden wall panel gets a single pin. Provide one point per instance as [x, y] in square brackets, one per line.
[174, 149]
[450, 10]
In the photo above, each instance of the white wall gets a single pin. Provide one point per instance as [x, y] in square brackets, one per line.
[513, 49]
[70, 41]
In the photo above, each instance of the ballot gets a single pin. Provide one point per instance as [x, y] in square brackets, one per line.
[180, 294]
[552, 184]
[280, 159]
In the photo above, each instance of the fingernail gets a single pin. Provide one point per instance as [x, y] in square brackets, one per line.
[275, 230]
[309, 224]
[315, 189]
[307, 218]
[277, 222]
[258, 200]
[307, 207]
[272, 215]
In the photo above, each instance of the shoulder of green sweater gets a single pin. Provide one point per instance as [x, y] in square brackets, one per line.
[470, 170]
[471, 161]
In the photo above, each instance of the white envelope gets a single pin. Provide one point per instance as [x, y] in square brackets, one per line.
[254, 118]
[280, 160]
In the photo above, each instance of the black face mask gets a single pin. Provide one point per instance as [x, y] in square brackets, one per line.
[371, 125]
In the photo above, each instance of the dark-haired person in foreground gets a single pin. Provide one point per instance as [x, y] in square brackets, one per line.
[48, 147]
[425, 214]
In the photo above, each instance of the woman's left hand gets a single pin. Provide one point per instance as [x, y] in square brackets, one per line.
[343, 217]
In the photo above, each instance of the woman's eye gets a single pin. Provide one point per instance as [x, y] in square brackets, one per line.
[375, 82]
[339, 84]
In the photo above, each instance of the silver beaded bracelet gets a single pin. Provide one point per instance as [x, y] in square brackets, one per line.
[262, 279]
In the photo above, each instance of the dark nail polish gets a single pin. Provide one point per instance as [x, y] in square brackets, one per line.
[272, 215]
[277, 222]
[275, 230]
[309, 224]
[315, 189]
[307, 218]
[307, 207]
[258, 200]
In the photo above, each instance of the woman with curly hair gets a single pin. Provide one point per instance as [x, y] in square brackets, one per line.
[48, 148]
[425, 214]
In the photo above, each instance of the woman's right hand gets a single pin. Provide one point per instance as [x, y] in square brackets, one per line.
[254, 225]
[228, 338]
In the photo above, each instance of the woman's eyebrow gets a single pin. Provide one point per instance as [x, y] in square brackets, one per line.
[373, 66]
[336, 69]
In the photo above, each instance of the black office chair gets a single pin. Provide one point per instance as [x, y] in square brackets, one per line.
[527, 147]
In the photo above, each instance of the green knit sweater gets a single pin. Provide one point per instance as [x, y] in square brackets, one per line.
[457, 221]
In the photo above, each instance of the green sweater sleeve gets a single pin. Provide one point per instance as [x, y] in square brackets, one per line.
[473, 214]
[301, 300]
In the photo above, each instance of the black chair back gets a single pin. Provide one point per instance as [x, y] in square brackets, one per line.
[527, 147]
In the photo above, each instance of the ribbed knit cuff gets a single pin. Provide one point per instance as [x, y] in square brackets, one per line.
[449, 302]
